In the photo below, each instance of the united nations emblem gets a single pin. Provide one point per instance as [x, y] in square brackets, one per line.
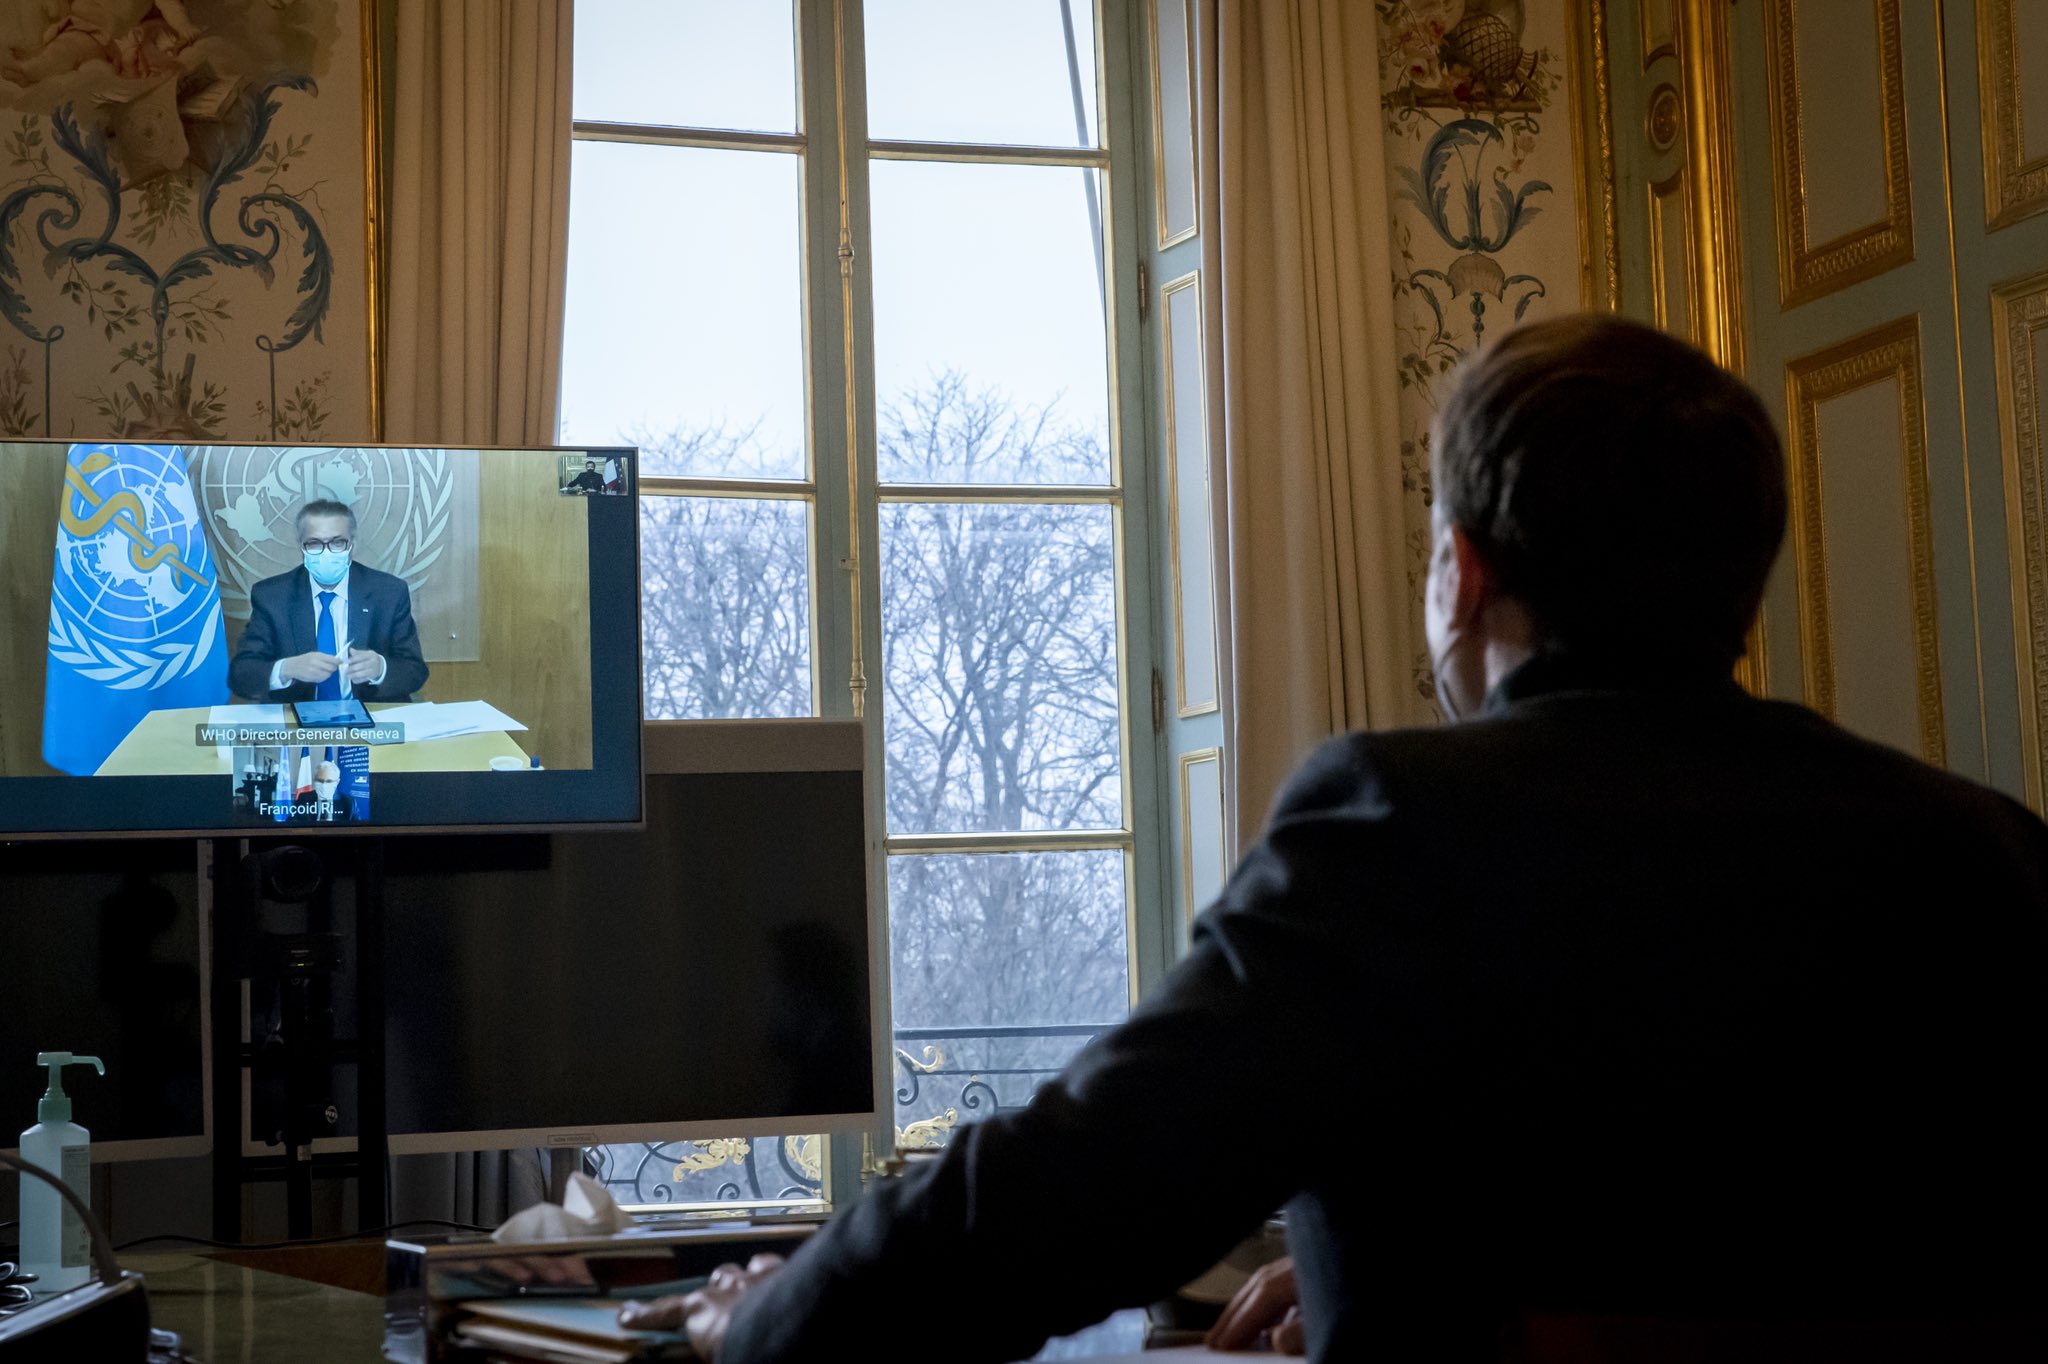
[403, 500]
[133, 602]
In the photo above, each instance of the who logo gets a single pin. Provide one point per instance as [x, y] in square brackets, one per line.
[135, 612]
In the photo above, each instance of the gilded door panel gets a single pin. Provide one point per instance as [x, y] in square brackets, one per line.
[1670, 257]
[1176, 198]
[1838, 117]
[1658, 22]
[1862, 539]
[1203, 866]
[2020, 326]
[2012, 63]
[1192, 550]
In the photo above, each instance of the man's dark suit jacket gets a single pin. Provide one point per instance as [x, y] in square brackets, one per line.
[1631, 994]
[281, 624]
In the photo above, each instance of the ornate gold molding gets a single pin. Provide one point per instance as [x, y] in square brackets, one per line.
[1713, 244]
[1599, 212]
[1807, 270]
[1664, 290]
[1655, 50]
[2019, 317]
[1889, 352]
[2014, 187]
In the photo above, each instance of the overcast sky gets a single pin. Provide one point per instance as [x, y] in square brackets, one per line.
[685, 274]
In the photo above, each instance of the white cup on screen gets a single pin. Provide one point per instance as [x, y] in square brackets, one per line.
[505, 762]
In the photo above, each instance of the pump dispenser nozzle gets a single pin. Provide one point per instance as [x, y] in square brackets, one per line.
[56, 1104]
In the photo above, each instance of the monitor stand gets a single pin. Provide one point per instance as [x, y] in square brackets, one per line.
[254, 884]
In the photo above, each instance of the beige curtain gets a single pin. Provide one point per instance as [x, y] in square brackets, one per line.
[1313, 585]
[478, 251]
[479, 221]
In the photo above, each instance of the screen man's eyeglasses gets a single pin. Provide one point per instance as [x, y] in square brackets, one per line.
[339, 542]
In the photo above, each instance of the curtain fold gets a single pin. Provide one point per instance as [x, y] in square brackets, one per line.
[1309, 513]
[479, 224]
[478, 253]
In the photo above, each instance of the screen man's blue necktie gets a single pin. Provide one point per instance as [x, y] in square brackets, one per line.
[323, 640]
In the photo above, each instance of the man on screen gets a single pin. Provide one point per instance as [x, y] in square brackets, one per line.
[330, 628]
[589, 481]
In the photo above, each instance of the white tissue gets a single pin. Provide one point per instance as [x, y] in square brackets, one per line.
[586, 1209]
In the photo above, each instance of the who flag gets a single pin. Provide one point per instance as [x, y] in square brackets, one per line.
[135, 619]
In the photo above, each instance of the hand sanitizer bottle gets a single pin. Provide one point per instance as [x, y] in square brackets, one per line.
[55, 1246]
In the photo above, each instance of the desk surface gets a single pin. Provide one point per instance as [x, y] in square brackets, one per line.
[228, 1314]
[161, 745]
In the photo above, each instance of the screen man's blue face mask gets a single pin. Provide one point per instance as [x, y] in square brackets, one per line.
[328, 566]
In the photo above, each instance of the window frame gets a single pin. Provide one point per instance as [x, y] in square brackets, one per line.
[844, 495]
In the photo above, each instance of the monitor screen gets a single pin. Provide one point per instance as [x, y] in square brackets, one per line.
[222, 639]
[105, 957]
[706, 976]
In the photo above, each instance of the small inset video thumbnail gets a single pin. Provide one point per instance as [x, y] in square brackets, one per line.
[600, 474]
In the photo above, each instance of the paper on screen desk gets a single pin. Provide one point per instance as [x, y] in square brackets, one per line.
[445, 719]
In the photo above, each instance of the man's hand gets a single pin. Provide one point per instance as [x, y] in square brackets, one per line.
[707, 1313]
[1269, 1305]
[313, 667]
[364, 665]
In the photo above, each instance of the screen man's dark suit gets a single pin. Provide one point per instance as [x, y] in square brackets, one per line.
[282, 624]
[1634, 994]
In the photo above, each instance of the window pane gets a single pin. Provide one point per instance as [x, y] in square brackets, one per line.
[941, 71]
[1030, 945]
[1000, 667]
[725, 609]
[716, 1170]
[684, 331]
[987, 294]
[686, 63]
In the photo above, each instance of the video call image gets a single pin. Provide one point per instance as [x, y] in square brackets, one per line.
[199, 602]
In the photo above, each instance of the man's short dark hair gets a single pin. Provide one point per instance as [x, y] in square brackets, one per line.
[1628, 490]
[324, 506]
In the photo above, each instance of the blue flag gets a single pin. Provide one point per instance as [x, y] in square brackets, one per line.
[135, 621]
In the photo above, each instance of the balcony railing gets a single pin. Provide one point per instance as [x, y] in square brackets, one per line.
[943, 1078]
[950, 1076]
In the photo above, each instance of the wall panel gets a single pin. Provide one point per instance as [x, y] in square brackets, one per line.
[1192, 555]
[1862, 538]
[1203, 864]
[2012, 57]
[1838, 116]
[2020, 324]
[1176, 194]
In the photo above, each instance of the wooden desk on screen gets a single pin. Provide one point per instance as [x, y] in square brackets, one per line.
[161, 745]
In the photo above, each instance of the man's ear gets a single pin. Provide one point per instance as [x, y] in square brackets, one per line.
[1468, 580]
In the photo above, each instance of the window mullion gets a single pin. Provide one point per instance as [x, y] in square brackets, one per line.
[839, 338]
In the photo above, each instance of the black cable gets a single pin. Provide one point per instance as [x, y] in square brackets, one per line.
[306, 1241]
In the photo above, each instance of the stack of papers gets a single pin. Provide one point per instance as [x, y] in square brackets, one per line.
[247, 715]
[578, 1330]
[425, 720]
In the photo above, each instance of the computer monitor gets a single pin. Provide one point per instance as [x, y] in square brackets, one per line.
[707, 976]
[314, 638]
[105, 956]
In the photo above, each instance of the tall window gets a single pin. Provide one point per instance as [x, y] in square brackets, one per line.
[730, 159]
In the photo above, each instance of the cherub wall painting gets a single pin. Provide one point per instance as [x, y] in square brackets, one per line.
[184, 223]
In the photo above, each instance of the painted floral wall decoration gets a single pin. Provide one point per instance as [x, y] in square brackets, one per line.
[183, 220]
[1484, 223]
